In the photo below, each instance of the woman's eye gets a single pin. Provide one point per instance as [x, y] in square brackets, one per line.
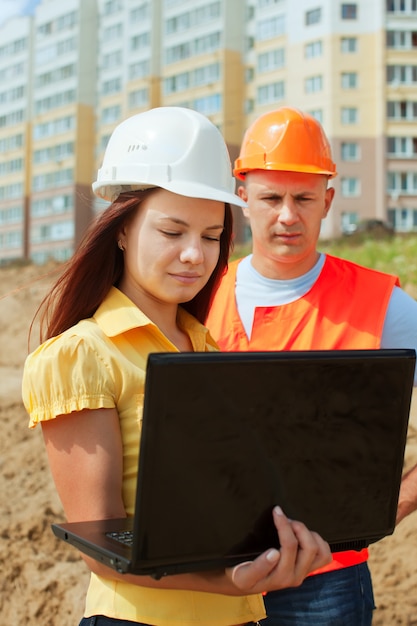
[170, 233]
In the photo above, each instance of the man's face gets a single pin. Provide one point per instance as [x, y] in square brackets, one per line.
[285, 210]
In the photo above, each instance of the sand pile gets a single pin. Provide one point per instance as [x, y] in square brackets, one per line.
[43, 581]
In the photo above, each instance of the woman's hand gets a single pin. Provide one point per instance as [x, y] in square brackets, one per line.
[302, 551]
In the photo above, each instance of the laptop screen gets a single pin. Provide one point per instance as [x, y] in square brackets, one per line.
[226, 436]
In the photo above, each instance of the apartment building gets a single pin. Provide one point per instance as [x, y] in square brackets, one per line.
[128, 64]
[15, 101]
[63, 126]
[78, 68]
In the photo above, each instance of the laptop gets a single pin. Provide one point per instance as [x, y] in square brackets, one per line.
[226, 436]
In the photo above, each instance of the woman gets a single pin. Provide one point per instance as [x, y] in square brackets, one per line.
[163, 242]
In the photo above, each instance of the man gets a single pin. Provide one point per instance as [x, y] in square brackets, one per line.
[286, 295]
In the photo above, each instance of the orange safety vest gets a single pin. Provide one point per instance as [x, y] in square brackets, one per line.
[345, 309]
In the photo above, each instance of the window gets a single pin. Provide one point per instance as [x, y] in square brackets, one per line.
[403, 220]
[350, 186]
[13, 48]
[11, 143]
[115, 31]
[178, 52]
[56, 75]
[54, 154]
[112, 59]
[317, 114]
[348, 45]
[349, 115]
[249, 74]
[402, 147]
[55, 127]
[313, 49]
[402, 110]
[349, 11]
[402, 183]
[11, 239]
[114, 85]
[402, 39]
[111, 114]
[112, 6]
[400, 6]
[350, 151]
[267, 3]
[349, 222]
[140, 41]
[207, 43]
[13, 165]
[52, 232]
[11, 215]
[313, 17]
[195, 17]
[51, 206]
[178, 23]
[271, 60]
[176, 83]
[54, 101]
[140, 13]
[401, 74]
[313, 84]
[14, 190]
[249, 105]
[349, 80]
[51, 180]
[208, 105]
[272, 27]
[138, 98]
[140, 69]
[270, 93]
[206, 74]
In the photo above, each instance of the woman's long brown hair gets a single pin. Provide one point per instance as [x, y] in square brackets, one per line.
[98, 263]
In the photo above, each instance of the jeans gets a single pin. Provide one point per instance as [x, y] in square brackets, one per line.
[339, 598]
[102, 620]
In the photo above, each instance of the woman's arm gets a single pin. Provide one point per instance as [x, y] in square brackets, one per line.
[85, 456]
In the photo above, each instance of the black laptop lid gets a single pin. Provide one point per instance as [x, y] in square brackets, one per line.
[226, 436]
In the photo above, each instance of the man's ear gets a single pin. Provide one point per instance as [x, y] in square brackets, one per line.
[243, 194]
[328, 200]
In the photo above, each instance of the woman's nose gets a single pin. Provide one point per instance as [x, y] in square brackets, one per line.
[192, 253]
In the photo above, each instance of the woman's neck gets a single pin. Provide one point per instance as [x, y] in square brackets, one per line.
[164, 316]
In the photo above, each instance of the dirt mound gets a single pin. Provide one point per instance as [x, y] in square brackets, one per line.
[43, 581]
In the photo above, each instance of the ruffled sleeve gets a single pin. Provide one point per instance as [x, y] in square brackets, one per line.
[65, 374]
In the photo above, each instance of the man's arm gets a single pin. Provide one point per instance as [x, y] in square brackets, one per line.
[400, 331]
[407, 502]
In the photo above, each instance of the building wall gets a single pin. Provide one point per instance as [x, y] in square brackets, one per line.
[15, 146]
[86, 65]
[63, 124]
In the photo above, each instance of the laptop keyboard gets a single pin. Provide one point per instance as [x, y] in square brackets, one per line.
[123, 536]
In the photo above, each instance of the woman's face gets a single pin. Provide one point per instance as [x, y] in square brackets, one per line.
[172, 246]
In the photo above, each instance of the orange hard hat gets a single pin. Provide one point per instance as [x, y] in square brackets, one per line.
[285, 139]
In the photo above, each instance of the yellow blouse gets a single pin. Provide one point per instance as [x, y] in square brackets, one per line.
[101, 363]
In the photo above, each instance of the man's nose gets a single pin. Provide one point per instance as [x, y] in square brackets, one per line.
[287, 213]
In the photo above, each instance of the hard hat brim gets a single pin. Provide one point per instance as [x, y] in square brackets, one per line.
[107, 190]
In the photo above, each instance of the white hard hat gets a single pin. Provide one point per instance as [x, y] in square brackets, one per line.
[174, 148]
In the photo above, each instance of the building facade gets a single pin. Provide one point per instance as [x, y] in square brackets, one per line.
[74, 70]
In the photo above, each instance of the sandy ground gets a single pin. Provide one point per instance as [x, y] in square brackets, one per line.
[43, 581]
